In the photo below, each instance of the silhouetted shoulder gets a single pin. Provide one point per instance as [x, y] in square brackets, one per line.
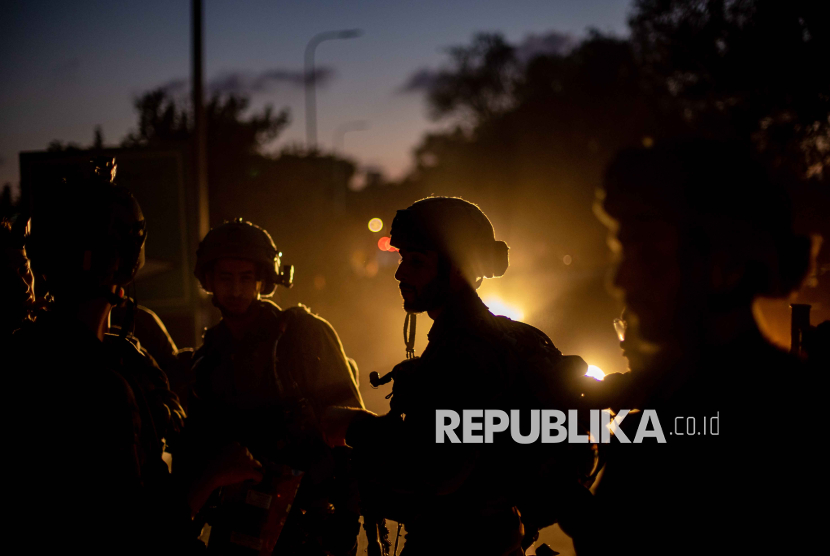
[316, 348]
[310, 325]
[523, 336]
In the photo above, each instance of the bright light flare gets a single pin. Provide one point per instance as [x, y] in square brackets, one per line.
[595, 372]
[498, 307]
[375, 224]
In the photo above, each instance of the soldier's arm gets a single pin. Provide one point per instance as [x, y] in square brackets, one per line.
[154, 337]
[403, 457]
[404, 452]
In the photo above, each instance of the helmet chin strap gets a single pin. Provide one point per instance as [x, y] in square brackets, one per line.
[251, 308]
[128, 325]
[409, 325]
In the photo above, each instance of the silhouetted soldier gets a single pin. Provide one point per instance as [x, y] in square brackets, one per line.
[145, 326]
[454, 498]
[264, 376]
[90, 476]
[704, 230]
[17, 283]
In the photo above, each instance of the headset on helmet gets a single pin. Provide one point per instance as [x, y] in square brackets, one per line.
[240, 239]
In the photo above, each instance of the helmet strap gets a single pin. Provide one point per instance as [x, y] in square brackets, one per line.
[128, 326]
[409, 326]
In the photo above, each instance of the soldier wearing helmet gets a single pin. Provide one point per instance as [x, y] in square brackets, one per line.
[233, 259]
[263, 377]
[703, 229]
[103, 407]
[453, 499]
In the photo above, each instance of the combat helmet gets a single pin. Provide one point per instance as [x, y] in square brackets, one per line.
[240, 239]
[87, 232]
[456, 229]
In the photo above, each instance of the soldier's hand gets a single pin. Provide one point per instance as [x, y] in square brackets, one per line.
[335, 423]
[234, 464]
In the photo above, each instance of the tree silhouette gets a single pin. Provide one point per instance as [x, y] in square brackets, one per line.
[743, 68]
[235, 140]
[478, 84]
[162, 120]
[98, 140]
[7, 207]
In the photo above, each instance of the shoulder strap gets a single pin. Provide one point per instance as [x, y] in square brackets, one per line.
[526, 347]
[286, 382]
[525, 337]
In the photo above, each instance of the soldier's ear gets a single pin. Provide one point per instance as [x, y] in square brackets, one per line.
[265, 286]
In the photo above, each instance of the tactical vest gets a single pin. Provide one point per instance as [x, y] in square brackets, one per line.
[546, 478]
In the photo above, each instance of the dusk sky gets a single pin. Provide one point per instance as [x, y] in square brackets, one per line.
[67, 67]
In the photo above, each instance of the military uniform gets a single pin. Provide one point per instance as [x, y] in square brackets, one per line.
[454, 498]
[88, 440]
[150, 331]
[460, 498]
[267, 391]
[744, 490]
[92, 449]
[705, 229]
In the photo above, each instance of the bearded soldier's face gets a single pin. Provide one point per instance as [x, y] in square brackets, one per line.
[235, 285]
[421, 286]
[649, 273]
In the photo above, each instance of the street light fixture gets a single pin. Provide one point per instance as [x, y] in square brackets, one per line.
[310, 80]
[338, 140]
[339, 137]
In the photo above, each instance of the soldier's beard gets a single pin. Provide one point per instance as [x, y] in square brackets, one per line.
[237, 308]
[432, 296]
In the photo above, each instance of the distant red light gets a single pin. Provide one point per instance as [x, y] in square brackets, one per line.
[384, 245]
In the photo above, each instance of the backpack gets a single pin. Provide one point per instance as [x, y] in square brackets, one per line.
[552, 479]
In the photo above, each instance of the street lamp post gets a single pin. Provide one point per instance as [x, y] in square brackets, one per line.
[339, 137]
[337, 141]
[310, 80]
[199, 155]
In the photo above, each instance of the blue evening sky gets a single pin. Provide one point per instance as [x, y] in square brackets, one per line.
[67, 66]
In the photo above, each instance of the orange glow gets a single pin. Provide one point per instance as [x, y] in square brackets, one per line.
[595, 372]
[499, 307]
[375, 224]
